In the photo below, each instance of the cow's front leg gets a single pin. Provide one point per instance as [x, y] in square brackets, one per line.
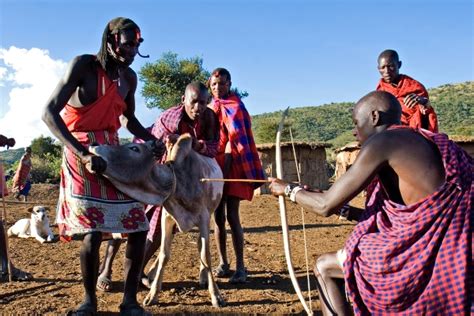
[205, 256]
[157, 270]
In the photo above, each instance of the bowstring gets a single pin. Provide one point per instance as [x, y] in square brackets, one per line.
[302, 219]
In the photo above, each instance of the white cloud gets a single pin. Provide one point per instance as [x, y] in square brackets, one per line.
[29, 76]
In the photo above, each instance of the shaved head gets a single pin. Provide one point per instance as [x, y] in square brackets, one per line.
[374, 113]
[389, 54]
[195, 99]
[383, 102]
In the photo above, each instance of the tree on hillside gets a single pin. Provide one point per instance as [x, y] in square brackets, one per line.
[46, 160]
[40, 146]
[166, 79]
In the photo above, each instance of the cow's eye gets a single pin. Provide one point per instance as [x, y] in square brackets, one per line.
[134, 148]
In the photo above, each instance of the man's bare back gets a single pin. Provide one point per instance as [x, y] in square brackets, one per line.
[410, 165]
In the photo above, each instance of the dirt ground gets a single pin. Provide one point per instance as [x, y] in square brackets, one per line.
[57, 285]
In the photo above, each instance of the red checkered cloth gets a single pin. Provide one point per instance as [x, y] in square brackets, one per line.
[171, 122]
[236, 128]
[22, 174]
[3, 185]
[416, 259]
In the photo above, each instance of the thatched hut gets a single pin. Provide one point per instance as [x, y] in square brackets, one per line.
[311, 159]
[466, 142]
[345, 157]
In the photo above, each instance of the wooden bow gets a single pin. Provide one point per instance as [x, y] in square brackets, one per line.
[283, 215]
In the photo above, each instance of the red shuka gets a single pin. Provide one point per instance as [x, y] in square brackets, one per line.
[411, 117]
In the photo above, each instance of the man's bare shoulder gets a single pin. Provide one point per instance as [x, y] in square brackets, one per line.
[82, 63]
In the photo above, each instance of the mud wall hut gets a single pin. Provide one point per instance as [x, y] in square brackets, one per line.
[311, 159]
[345, 157]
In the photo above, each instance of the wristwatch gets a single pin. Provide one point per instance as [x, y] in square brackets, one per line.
[290, 188]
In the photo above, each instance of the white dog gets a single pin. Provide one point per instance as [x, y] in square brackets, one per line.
[37, 226]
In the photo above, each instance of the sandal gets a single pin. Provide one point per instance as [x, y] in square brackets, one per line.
[223, 270]
[17, 275]
[104, 284]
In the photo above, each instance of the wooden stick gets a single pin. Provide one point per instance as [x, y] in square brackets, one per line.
[29, 203]
[4, 220]
[233, 180]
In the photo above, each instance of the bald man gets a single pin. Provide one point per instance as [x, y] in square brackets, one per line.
[417, 111]
[411, 251]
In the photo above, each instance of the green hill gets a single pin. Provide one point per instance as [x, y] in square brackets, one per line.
[332, 123]
[8, 157]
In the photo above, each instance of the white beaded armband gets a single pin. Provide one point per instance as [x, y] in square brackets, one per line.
[293, 193]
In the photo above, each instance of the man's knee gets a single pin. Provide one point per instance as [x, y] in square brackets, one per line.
[327, 266]
[92, 239]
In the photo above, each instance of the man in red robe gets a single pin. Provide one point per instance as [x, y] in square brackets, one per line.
[238, 158]
[411, 252]
[417, 111]
[83, 110]
[21, 181]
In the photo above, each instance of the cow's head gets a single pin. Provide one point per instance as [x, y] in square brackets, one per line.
[132, 168]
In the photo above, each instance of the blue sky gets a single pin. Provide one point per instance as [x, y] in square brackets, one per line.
[284, 53]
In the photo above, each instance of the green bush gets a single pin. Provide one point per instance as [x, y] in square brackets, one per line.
[45, 169]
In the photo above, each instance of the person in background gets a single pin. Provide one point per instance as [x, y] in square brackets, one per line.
[417, 111]
[238, 158]
[21, 181]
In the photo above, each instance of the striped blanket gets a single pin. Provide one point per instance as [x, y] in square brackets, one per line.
[416, 259]
[236, 128]
[89, 202]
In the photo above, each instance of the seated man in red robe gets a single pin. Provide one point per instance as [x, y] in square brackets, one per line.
[411, 252]
[417, 111]
[85, 109]
[191, 116]
[238, 158]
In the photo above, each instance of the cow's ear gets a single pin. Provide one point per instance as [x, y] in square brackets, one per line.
[30, 209]
[47, 209]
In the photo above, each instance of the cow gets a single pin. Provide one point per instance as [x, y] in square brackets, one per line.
[177, 186]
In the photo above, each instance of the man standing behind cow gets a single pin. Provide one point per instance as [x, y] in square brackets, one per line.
[411, 252]
[191, 116]
[417, 111]
[238, 158]
[94, 92]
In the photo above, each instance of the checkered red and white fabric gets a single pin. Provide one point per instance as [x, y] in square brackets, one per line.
[416, 259]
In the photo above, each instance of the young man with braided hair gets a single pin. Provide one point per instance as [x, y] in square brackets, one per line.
[85, 109]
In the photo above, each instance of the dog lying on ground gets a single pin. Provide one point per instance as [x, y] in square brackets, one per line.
[37, 226]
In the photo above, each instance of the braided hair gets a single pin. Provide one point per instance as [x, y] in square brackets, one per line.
[112, 35]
